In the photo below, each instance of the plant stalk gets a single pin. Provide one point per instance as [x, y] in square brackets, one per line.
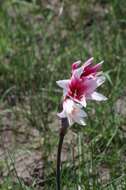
[63, 131]
[61, 137]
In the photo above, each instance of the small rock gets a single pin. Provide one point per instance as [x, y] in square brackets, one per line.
[120, 106]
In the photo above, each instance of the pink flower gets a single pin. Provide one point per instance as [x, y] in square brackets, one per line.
[79, 88]
[83, 83]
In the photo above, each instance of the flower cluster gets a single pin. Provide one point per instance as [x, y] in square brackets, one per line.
[79, 88]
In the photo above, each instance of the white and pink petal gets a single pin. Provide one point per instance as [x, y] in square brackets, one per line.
[63, 83]
[88, 62]
[98, 96]
[75, 65]
[100, 80]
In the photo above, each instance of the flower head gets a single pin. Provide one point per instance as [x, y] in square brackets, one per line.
[83, 83]
[81, 86]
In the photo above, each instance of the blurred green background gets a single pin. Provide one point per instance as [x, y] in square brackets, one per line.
[39, 40]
